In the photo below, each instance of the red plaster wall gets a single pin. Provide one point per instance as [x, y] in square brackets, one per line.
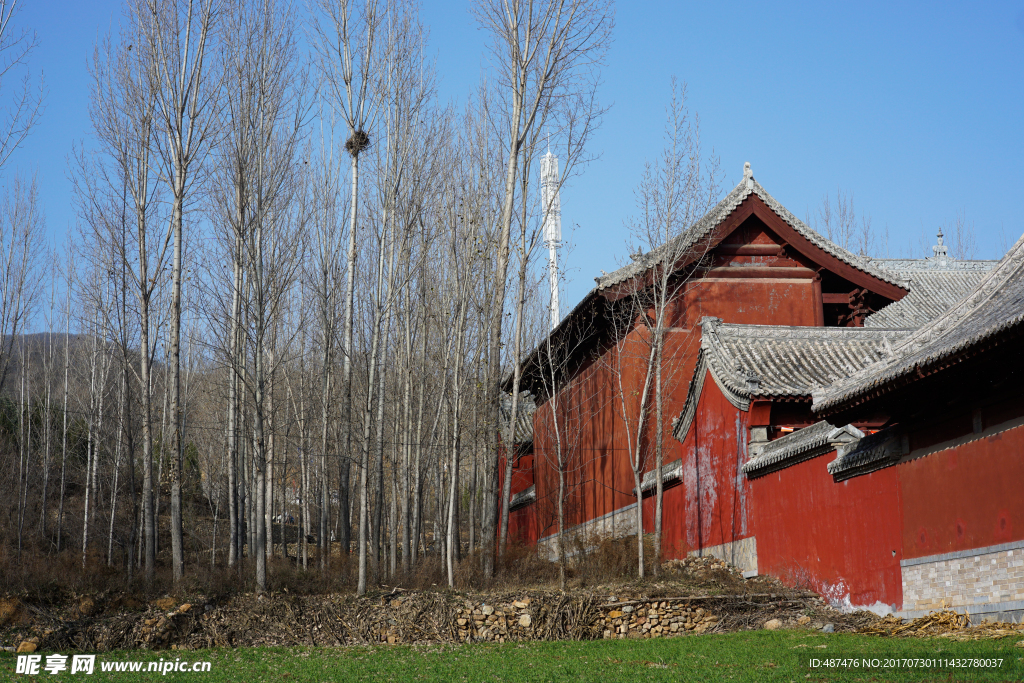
[593, 446]
[837, 538]
[715, 493]
[522, 525]
[599, 478]
[754, 301]
[964, 497]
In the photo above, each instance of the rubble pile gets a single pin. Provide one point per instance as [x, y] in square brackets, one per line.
[703, 568]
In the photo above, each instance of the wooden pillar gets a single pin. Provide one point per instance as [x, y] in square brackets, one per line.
[819, 303]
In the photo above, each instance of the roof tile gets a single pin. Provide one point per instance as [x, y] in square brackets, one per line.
[994, 305]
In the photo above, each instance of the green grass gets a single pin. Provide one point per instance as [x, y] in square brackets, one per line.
[749, 656]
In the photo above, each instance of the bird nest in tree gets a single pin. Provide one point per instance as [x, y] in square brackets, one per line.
[357, 142]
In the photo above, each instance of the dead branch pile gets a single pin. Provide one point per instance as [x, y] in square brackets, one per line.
[411, 617]
[943, 624]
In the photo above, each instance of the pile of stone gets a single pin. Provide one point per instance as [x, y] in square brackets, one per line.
[702, 567]
[656, 619]
[512, 621]
[528, 620]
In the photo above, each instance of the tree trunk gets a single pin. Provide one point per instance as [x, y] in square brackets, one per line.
[177, 539]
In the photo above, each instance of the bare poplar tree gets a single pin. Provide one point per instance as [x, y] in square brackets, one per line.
[460, 273]
[674, 192]
[348, 54]
[259, 193]
[325, 271]
[119, 178]
[26, 100]
[21, 254]
[176, 39]
[542, 50]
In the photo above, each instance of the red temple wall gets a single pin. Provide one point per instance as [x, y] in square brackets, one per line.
[594, 434]
[841, 539]
[966, 496]
[522, 525]
[714, 496]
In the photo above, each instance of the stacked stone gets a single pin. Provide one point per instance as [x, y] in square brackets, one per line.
[516, 621]
[656, 619]
[487, 622]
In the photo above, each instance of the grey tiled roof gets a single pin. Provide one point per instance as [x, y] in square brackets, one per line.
[670, 471]
[931, 264]
[524, 417]
[699, 230]
[789, 361]
[994, 305]
[932, 293]
[523, 498]
[821, 437]
[871, 453]
[780, 362]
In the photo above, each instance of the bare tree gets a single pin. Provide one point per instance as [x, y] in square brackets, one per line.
[176, 36]
[459, 275]
[21, 254]
[325, 272]
[119, 178]
[26, 101]
[542, 50]
[263, 117]
[349, 59]
[20, 243]
[673, 194]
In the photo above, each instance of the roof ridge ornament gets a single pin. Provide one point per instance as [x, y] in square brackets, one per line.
[711, 321]
[940, 250]
[748, 175]
[753, 382]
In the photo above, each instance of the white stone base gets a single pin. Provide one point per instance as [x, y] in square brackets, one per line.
[615, 524]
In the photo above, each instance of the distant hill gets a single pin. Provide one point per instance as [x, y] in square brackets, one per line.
[35, 347]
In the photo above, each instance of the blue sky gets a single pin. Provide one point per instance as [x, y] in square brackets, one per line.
[914, 108]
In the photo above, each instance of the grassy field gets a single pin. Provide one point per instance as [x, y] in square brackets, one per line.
[749, 656]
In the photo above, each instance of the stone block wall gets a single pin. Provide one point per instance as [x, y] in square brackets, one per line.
[654, 619]
[975, 580]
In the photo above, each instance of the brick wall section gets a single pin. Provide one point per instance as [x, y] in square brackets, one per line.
[964, 579]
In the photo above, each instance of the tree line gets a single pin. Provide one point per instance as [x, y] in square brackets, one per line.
[281, 323]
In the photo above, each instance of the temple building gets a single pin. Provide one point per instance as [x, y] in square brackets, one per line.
[837, 421]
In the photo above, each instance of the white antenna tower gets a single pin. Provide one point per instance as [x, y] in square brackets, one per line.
[552, 224]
